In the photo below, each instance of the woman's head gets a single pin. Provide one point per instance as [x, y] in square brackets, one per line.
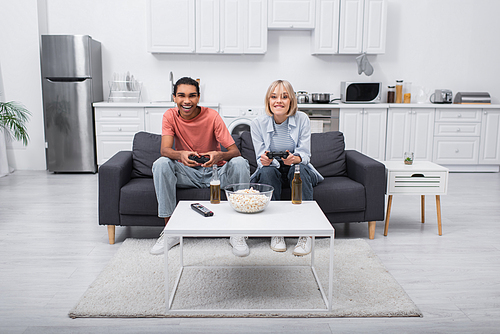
[280, 94]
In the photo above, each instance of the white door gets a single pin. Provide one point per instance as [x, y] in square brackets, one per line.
[207, 26]
[255, 40]
[153, 119]
[232, 26]
[167, 32]
[375, 26]
[489, 149]
[398, 133]
[374, 128]
[325, 36]
[351, 26]
[291, 14]
[422, 133]
[351, 125]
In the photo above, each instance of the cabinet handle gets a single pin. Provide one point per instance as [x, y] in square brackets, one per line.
[485, 112]
[119, 114]
[119, 129]
[459, 115]
[456, 151]
[458, 130]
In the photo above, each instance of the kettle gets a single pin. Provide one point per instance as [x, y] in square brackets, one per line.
[302, 97]
[441, 96]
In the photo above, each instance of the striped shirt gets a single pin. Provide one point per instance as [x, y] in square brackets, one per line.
[281, 139]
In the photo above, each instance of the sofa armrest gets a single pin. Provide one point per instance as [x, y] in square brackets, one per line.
[370, 173]
[113, 175]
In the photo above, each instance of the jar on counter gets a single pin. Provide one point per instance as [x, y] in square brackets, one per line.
[407, 92]
[399, 91]
[391, 94]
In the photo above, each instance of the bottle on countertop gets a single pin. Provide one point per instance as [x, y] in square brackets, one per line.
[215, 186]
[297, 186]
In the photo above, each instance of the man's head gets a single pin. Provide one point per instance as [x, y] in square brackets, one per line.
[186, 96]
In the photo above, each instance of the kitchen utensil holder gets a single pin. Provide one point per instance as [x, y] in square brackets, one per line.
[124, 91]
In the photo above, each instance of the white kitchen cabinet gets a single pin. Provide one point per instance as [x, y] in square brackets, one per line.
[364, 130]
[115, 130]
[489, 147]
[456, 138]
[153, 118]
[207, 26]
[291, 14]
[325, 36]
[410, 130]
[171, 26]
[362, 26]
[243, 26]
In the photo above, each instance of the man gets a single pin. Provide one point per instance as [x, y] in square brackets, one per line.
[198, 131]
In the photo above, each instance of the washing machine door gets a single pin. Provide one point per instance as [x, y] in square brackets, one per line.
[239, 125]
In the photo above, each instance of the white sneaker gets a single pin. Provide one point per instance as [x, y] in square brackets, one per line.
[158, 247]
[303, 246]
[278, 244]
[240, 247]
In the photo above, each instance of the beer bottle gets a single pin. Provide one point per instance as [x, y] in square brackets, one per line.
[297, 186]
[214, 186]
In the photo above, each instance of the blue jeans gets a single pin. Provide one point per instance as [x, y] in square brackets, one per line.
[272, 176]
[169, 174]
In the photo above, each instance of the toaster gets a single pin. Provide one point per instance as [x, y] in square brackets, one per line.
[441, 96]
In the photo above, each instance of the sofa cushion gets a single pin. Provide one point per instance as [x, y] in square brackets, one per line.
[340, 194]
[247, 150]
[327, 153]
[145, 151]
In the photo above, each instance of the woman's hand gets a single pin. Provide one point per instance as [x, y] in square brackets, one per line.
[265, 160]
[291, 159]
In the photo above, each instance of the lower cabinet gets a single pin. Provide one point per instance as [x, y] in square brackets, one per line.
[364, 130]
[489, 147]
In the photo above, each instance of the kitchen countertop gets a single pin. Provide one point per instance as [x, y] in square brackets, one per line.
[168, 104]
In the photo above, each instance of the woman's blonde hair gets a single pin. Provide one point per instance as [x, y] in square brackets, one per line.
[291, 95]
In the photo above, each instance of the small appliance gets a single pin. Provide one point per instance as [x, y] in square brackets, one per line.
[441, 96]
[472, 98]
[360, 92]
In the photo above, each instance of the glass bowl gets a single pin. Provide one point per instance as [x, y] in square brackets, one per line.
[249, 197]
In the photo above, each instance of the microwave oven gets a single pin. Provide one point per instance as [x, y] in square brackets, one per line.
[360, 92]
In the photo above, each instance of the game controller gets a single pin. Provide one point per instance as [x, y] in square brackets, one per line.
[200, 160]
[279, 154]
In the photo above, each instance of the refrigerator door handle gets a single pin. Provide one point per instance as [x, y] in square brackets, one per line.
[66, 79]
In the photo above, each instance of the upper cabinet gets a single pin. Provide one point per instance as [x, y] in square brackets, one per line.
[291, 14]
[171, 26]
[362, 26]
[207, 26]
[325, 36]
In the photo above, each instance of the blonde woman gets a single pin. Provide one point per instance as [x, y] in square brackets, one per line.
[283, 128]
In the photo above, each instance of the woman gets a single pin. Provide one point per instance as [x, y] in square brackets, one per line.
[284, 129]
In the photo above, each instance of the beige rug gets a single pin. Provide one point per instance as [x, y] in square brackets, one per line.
[132, 285]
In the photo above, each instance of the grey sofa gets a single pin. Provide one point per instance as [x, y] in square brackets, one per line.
[353, 189]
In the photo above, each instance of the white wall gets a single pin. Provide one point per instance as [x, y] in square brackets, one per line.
[450, 44]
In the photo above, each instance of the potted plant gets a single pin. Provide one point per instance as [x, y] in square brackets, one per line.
[13, 119]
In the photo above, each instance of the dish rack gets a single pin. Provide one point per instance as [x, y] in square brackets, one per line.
[125, 91]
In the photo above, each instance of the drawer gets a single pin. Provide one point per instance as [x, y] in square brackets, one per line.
[119, 114]
[118, 129]
[458, 115]
[454, 150]
[457, 129]
[423, 183]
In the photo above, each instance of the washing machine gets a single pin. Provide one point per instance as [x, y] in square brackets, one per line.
[238, 119]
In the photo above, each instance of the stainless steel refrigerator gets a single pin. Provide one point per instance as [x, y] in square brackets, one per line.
[71, 82]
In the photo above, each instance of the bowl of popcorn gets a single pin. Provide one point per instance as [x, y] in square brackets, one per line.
[249, 197]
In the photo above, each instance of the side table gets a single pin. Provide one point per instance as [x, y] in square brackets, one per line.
[422, 178]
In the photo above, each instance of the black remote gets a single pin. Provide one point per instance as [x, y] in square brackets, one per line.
[201, 210]
[200, 160]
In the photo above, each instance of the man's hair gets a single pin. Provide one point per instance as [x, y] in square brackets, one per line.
[187, 81]
[291, 95]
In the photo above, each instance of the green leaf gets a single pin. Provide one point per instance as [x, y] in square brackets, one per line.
[13, 119]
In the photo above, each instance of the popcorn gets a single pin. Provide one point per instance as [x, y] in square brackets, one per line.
[248, 200]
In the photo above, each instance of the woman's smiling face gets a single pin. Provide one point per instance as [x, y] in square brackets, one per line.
[279, 103]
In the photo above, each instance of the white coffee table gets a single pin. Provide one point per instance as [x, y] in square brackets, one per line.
[304, 219]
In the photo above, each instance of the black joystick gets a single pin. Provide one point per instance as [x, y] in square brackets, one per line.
[198, 159]
[279, 154]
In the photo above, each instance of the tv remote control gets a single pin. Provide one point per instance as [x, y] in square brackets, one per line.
[201, 210]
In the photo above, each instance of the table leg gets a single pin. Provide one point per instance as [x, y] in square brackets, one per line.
[167, 285]
[388, 215]
[438, 209]
[422, 207]
[330, 275]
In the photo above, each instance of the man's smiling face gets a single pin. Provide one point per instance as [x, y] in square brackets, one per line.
[187, 100]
